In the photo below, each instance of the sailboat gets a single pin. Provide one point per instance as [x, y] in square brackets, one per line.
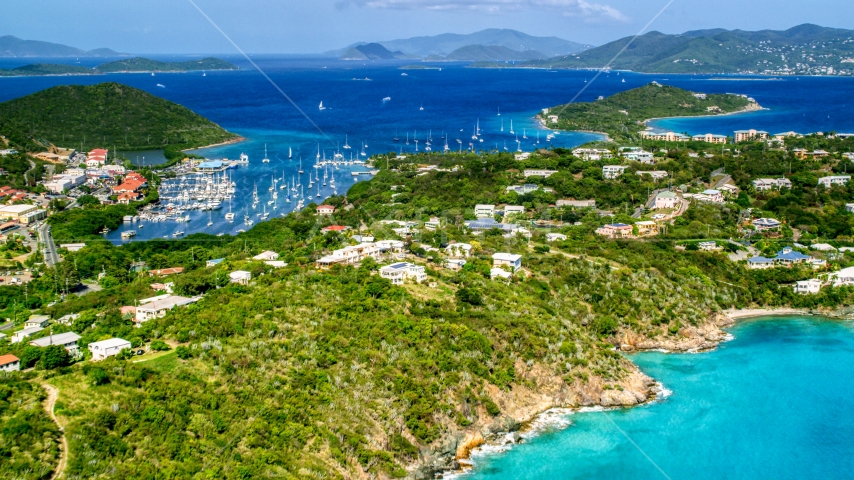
[230, 215]
[346, 143]
[511, 128]
[290, 153]
[321, 107]
[407, 138]
[363, 149]
[300, 171]
[538, 137]
[422, 108]
[210, 221]
[265, 159]
[502, 124]
[524, 133]
[499, 111]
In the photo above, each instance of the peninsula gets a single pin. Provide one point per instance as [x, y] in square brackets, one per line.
[130, 65]
[622, 115]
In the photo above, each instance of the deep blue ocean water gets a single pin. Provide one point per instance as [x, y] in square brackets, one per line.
[776, 402]
[453, 100]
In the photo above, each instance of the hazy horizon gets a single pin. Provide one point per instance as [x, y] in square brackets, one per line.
[312, 27]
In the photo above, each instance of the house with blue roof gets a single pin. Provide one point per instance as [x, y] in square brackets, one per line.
[214, 262]
[788, 257]
[490, 223]
[760, 262]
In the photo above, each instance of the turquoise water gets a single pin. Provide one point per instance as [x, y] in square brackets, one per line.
[776, 402]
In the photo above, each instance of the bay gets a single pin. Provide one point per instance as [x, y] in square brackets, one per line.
[775, 402]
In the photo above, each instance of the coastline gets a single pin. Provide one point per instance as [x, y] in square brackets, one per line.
[702, 338]
[542, 123]
[120, 72]
[237, 139]
[748, 109]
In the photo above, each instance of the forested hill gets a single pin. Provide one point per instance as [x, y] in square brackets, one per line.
[130, 65]
[623, 114]
[106, 114]
[805, 50]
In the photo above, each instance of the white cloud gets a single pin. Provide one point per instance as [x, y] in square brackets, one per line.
[569, 8]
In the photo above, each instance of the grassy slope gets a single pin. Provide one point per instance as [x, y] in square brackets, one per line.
[104, 115]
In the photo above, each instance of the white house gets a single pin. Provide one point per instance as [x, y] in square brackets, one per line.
[458, 250]
[513, 209]
[393, 246]
[68, 319]
[484, 211]
[37, 321]
[576, 203]
[9, 363]
[455, 263]
[763, 224]
[398, 272]
[666, 199]
[538, 173]
[763, 184]
[710, 196]
[555, 237]
[655, 174]
[805, 287]
[20, 335]
[159, 307]
[760, 263]
[268, 255]
[507, 260]
[107, 348]
[433, 223]
[842, 277]
[67, 340]
[832, 180]
[499, 273]
[240, 276]
[593, 154]
[611, 172]
[641, 156]
[325, 210]
[350, 254]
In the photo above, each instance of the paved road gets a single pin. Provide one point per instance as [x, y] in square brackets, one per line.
[51, 258]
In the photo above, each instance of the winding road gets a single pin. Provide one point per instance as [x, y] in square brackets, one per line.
[50, 402]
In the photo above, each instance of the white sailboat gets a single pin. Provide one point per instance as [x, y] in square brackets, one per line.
[511, 127]
[290, 152]
[210, 221]
[346, 143]
[524, 133]
[265, 159]
[300, 171]
[321, 107]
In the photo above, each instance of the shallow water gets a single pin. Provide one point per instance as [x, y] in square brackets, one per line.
[776, 402]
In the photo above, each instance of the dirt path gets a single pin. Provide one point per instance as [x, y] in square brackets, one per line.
[52, 395]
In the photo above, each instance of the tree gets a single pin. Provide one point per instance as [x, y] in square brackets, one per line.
[54, 356]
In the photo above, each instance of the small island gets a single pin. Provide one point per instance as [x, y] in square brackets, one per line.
[623, 115]
[130, 65]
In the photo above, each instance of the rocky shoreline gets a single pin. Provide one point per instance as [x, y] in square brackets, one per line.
[522, 407]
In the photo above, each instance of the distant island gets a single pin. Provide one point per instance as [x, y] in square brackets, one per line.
[623, 115]
[491, 44]
[802, 50]
[131, 65]
[11, 46]
[106, 114]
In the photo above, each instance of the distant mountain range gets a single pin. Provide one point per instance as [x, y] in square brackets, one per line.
[803, 50]
[15, 47]
[441, 46]
[371, 51]
[131, 65]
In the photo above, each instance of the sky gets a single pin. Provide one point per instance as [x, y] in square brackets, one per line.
[313, 26]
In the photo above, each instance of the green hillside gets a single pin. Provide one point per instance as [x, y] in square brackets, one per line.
[622, 114]
[137, 64]
[806, 49]
[106, 114]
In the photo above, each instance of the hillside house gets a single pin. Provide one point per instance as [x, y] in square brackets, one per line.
[241, 277]
[9, 363]
[832, 180]
[513, 261]
[20, 335]
[266, 255]
[37, 321]
[397, 273]
[159, 307]
[808, 287]
[68, 340]
[107, 348]
[610, 172]
[666, 200]
[615, 230]
[484, 211]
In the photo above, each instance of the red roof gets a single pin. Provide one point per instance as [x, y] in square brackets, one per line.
[129, 186]
[127, 309]
[7, 359]
[98, 151]
[334, 228]
[325, 207]
[167, 271]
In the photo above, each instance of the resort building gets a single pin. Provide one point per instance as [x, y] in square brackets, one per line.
[615, 230]
[325, 210]
[9, 363]
[398, 272]
[610, 172]
[749, 135]
[511, 260]
[484, 211]
[68, 340]
[664, 136]
[107, 348]
[710, 138]
[830, 181]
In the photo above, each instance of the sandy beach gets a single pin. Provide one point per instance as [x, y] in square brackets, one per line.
[237, 139]
[763, 312]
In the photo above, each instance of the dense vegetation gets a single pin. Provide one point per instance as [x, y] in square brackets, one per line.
[29, 440]
[716, 51]
[622, 115]
[106, 114]
[136, 64]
